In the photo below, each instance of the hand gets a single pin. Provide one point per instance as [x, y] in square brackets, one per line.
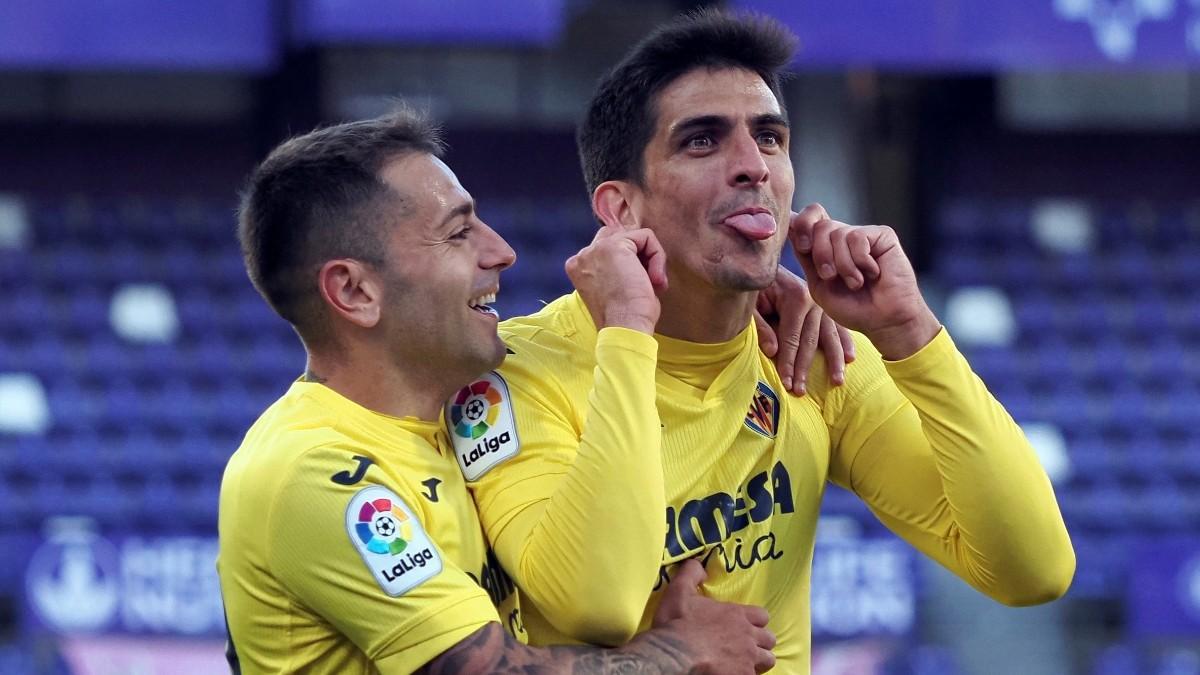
[722, 638]
[791, 327]
[861, 277]
[619, 275]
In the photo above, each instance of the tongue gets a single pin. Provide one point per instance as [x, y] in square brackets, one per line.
[753, 225]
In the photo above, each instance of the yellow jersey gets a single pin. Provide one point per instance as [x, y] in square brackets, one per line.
[744, 466]
[349, 544]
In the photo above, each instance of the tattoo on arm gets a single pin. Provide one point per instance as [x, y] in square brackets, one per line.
[492, 650]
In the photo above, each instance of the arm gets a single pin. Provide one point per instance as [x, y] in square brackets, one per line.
[492, 650]
[691, 634]
[943, 465]
[398, 620]
[936, 457]
[585, 554]
[577, 515]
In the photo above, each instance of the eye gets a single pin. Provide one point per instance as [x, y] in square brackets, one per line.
[769, 138]
[699, 142]
[462, 233]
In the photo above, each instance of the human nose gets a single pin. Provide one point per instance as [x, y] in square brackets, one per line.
[497, 253]
[747, 165]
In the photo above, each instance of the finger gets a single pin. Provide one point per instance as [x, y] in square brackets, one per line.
[791, 342]
[843, 261]
[810, 336]
[652, 255]
[831, 347]
[847, 340]
[764, 661]
[765, 638]
[883, 240]
[822, 250]
[757, 616]
[690, 574]
[684, 584]
[801, 224]
[609, 230]
[859, 245]
[765, 303]
[766, 335]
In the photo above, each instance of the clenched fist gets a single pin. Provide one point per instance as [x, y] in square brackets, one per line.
[619, 275]
[861, 277]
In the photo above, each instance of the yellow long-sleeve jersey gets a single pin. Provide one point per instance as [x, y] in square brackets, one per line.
[734, 468]
[349, 544]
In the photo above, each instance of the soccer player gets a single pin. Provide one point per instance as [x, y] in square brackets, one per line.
[687, 137]
[348, 541]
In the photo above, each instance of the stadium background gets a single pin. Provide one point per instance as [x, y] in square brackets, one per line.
[1040, 157]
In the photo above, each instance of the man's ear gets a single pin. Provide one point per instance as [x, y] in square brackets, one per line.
[352, 291]
[612, 202]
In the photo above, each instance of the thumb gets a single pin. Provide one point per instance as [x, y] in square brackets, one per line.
[690, 574]
[684, 586]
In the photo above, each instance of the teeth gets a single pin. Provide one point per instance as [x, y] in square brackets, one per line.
[482, 300]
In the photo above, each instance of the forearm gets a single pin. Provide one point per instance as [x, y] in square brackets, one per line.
[492, 650]
[943, 465]
[590, 553]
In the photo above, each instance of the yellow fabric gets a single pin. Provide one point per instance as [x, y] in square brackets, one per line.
[298, 594]
[920, 440]
[553, 510]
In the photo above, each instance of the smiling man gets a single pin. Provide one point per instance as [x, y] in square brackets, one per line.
[348, 541]
[687, 138]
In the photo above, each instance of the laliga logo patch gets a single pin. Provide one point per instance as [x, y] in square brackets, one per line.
[763, 416]
[475, 409]
[482, 426]
[391, 540]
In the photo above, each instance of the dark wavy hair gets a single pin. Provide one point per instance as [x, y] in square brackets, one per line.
[622, 114]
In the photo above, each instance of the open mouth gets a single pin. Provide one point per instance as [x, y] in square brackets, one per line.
[483, 304]
[755, 223]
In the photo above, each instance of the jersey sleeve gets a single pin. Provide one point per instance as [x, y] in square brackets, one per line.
[360, 558]
[943, 465]
[576, 515]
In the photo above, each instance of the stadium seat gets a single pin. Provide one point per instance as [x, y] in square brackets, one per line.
[1176, 661]
[1118, 659]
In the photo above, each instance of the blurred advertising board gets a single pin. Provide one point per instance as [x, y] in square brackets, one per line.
[219, 35]
[79, 582]
[535, 22]
[124, 603]
[863, 586]
[989, 35]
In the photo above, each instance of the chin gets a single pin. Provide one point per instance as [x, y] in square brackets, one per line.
[743, 280]
[499, 352]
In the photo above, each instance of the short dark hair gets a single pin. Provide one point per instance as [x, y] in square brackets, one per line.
[318, 197]
[621, 115]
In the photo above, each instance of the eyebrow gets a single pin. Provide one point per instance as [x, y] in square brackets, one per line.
[771, 119]
[464, 209]
[690, 124]
[720, 122]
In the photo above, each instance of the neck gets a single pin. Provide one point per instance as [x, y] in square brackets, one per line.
[704, 314]
[371, 380]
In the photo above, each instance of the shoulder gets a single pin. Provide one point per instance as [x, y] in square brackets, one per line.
[863, 376]
[563, 320]
[549, 345]
[301, 453]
